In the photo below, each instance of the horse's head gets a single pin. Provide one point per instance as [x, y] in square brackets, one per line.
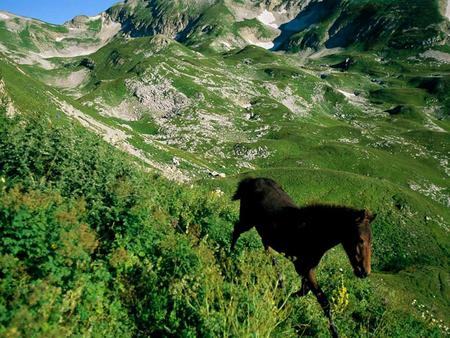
[358, 244]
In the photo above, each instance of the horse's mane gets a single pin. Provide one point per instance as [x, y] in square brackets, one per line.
[249, 184]
[242, 187]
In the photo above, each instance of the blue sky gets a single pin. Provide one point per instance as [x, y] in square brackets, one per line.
[55, 11]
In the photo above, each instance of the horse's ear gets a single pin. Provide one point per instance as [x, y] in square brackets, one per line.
[361, 216]
[370, 216]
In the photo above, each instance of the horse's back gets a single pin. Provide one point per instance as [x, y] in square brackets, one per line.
[330, 212]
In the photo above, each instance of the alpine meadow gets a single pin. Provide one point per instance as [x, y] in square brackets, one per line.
[124, 136]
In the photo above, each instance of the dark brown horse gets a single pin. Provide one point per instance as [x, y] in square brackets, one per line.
[304, 234]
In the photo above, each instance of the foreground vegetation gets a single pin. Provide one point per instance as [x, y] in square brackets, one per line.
[93, 245]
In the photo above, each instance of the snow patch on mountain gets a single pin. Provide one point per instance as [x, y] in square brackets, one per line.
[4, 16]
[266, 45]
[268, 19]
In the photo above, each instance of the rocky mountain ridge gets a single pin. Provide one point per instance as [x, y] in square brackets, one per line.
[222, 25]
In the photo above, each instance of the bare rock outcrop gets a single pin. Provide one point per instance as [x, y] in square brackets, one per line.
[158, 95]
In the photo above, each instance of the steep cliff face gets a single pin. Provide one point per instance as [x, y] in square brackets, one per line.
[201, 24]
[151, 17]
[364, 24]
[290, 25]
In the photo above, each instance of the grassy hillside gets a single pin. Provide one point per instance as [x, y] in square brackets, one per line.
[97, 242]
[278, 111]
[92, 245]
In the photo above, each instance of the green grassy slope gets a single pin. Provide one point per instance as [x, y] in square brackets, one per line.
[92, 244]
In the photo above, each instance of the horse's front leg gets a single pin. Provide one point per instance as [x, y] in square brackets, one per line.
[240, 226]
[310, 277]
